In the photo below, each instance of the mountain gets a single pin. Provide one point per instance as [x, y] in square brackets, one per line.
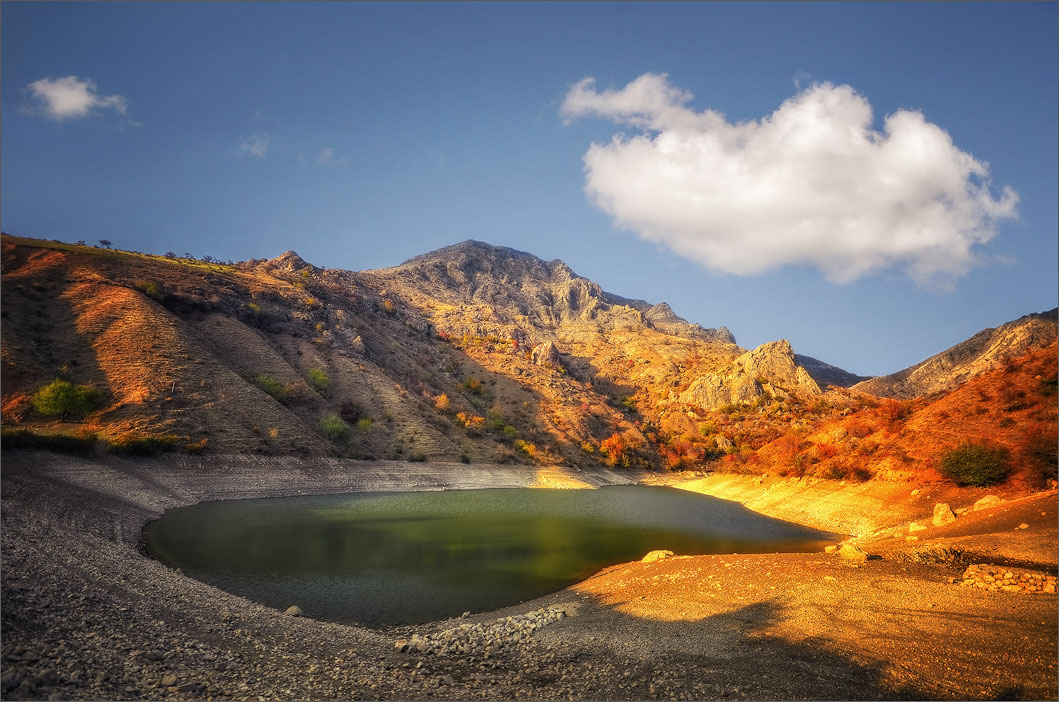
[472, 352]
[475, 353]
[986, 350]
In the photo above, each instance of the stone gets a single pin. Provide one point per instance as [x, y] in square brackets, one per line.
[830, 549]
[168, 680]
[1024, 525]
[1049, 588]
[545, 354]
[915, 492]
[853, 553]
[912, 526]
[986, 502]
[653, 556]
[943, 514]
[293, 611]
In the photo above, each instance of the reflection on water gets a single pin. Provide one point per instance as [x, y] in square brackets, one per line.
[395, 558]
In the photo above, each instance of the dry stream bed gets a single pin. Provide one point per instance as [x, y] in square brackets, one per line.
[86, 615]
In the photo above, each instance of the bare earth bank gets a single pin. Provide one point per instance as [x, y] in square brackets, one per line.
[86, 615]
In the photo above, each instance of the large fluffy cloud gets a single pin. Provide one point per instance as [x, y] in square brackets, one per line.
[71, 97]
[810, 184]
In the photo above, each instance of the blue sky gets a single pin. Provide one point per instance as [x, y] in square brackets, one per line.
[363, 134]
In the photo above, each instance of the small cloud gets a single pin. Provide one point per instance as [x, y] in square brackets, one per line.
[327, 157]
[258, 114]
[256, 145]
[800, 79]
[810, 184]
[62, 99]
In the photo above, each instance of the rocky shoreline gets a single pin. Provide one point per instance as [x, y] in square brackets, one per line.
[86, 615]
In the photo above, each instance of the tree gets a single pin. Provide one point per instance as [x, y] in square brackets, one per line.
[105, 243]
[170, 254]
[614, 445]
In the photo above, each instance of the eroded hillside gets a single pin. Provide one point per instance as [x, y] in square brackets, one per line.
[475, 353]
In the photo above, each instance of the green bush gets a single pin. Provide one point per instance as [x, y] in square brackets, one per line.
[273, 387]
[318, 379]
[973, 464]
[151, 289]
[334, 427]
[364, 423]
[61, 398]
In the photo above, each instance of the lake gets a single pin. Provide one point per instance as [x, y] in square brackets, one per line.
[410, 557]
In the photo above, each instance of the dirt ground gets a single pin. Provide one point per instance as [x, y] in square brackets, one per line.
[86, 615]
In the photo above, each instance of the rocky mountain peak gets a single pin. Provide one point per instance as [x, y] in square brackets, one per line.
[288, 261]
[768, 369]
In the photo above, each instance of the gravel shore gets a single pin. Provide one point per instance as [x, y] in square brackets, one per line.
[86, 615]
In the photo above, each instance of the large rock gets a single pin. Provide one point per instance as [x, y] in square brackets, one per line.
[545, 354]
[653, 556]
[943, 514]
[986, 502]
[770, 368]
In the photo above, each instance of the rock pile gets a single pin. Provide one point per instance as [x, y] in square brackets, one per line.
[1005, 579]
[484, 638]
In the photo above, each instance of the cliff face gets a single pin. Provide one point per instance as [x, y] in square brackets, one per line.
[986, 350]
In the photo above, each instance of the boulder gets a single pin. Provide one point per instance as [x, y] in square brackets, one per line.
[987, 502]
[853, 553]
[656, 556]
[293, 611]
[912, 526]
[545, 354]
[943, 514]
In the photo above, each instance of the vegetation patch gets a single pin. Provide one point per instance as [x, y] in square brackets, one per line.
[318, 379]
[146, 444]
[334, 427]
[61, 398]
[29, 439]
[974, 464]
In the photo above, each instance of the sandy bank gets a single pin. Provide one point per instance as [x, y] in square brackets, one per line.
[86, 615]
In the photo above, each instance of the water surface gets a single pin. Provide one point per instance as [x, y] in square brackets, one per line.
[397, 558]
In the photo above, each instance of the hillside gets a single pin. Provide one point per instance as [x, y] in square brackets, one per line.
[473, 352]
[988, 349]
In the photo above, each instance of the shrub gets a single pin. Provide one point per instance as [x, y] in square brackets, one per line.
[144, 444]
[151, 289]
[861, 474]
[61, 398]
[349, 411]
[473, 385]
[273, 387]
[973, 464]
[1039, 451]
[364, 424]
[318, 379]
[442, 402]
[27, 439]
[417, 458]
[334, 427]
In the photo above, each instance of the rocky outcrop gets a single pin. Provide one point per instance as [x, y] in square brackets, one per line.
[986, 350]
[768, 369]
[545, 354]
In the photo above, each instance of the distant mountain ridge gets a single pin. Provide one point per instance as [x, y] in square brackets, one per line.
[957, 364]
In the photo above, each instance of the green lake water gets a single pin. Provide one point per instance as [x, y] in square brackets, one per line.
[400, 558]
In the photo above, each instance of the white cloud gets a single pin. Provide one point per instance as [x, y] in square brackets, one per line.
[71, 97]
[811, 184]
[327, 157]
[256, 145]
